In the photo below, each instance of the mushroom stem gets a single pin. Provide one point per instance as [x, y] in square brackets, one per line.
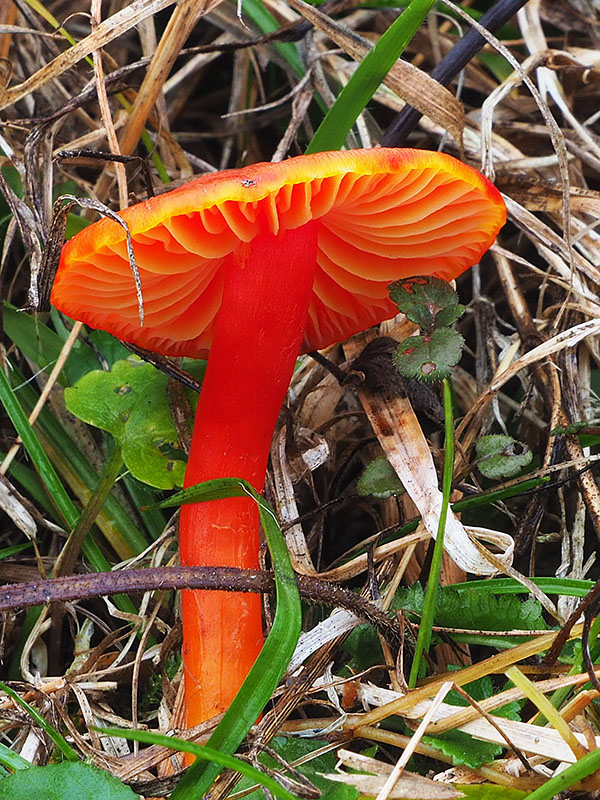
[258, 335]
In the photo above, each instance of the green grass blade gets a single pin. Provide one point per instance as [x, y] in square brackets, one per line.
[13, 761]
[266, 22]
[42, 463]
[57, 737]
[114, 521]
[502, 493]
[569, 587]
[568, 777]
[68, 556]
[143, 495]
[426, 624]
[43, 346]
[203, 753]
[7, 552]
[277, 649]
[368, 76]
[65, 506]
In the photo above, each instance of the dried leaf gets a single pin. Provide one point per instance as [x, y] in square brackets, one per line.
[411, 84]
[409, 785]
[105, 32]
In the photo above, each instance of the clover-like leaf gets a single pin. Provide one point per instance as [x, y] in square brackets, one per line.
[380, 479]
[501, 456]
[130, 402]
[429, 358]
[449, 315]
[423, 298]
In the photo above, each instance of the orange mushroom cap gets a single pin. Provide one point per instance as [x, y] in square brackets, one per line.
[383, 214]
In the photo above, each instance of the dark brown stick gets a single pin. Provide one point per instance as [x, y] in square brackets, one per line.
[451, 64]
[73, 587]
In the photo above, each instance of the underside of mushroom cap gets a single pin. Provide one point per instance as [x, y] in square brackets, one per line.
[383, 214]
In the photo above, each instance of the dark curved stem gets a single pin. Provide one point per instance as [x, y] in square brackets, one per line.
[74, 587]
[330, 366]
[451, 64]
[588, 607]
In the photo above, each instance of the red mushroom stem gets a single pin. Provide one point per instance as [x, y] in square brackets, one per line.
[256, 342]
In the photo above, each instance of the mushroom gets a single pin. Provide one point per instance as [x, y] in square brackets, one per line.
[258, 265]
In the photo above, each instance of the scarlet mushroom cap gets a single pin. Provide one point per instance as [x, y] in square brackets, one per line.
[382, 214]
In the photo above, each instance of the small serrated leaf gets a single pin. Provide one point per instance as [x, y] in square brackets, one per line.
[464, 749]
[500, 456]
[379, 479]
[363, 645]
[461, 746]
[469, 609]
[422, 298]
[449, 315]
[429, 358]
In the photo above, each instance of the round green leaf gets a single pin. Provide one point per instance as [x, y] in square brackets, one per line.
[380, 479]
[65, 781]
[130, 402]
[501, 456]
[429, 358]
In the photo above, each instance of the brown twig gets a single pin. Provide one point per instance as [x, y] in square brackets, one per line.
[212, 578]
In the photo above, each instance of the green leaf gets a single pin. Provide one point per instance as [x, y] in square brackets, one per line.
[573, 428]
[75, 223]
[464, 749]
[380, 479]
[501, 456]
[111, 348]
[460, 746]
[12, 760]
[364, 647]
[130, 402]
[424, 298]
[64, 782]
[479, 690]
[43, 346]
[429, 358]
[50, 731]
[490, 791]
[367, 77]
[466, 607]
[449, 315]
